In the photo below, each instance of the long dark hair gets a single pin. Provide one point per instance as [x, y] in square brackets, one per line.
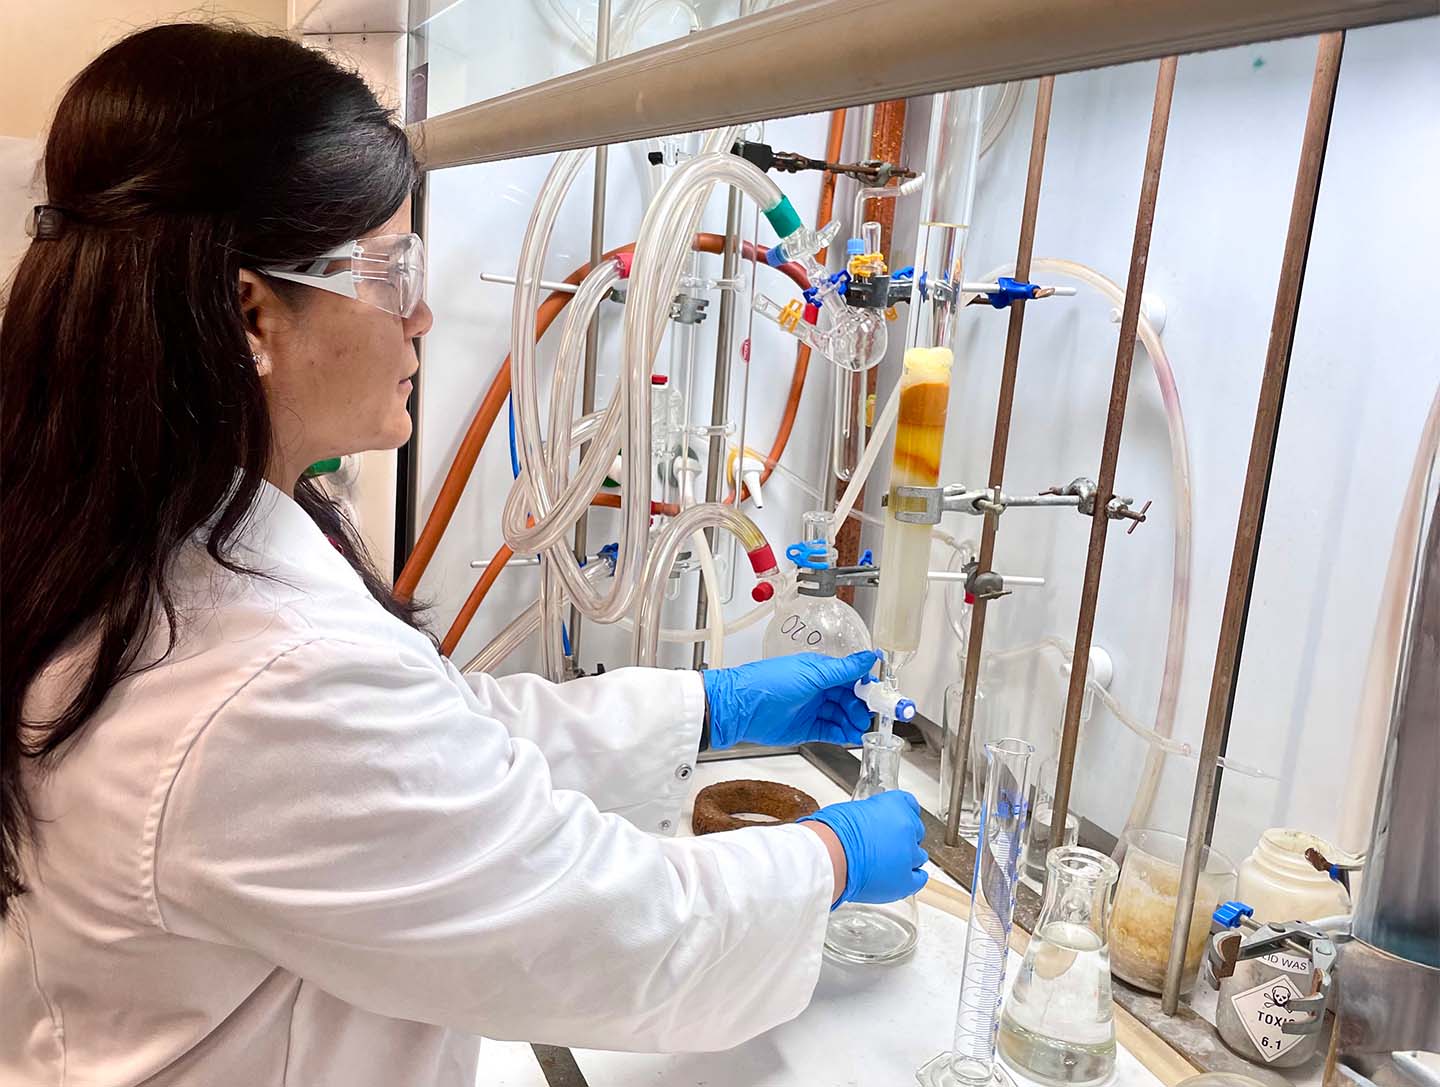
[129, 399]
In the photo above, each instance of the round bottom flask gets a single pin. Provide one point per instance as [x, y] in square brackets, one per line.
[862, 932]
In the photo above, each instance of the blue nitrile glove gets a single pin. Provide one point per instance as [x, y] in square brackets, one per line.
[881, 836]
[788, 700]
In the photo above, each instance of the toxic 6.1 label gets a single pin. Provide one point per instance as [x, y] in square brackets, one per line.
[1263, 1012]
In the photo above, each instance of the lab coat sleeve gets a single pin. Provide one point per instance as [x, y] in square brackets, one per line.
[350, 816]
[626, 739]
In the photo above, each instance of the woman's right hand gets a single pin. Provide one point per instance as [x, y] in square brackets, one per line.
[881, 838]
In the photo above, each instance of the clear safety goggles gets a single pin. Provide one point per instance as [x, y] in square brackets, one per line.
[386, 271]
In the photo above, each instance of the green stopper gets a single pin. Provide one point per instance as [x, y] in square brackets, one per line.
[784, 218]
[323, 468]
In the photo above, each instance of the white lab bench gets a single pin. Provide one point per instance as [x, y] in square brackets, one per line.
[866, 1026]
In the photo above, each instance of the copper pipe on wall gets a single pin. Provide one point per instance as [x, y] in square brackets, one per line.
[960, 757]
[812, 55]
[887, 141]
[1110, 446]
[1252, 502]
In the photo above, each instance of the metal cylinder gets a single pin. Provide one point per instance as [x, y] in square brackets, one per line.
[1399, 903]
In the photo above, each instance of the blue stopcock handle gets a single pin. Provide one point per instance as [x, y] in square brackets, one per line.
[1011, 290]
[878, 700]
[1228, 914]
[611, 554]
[812, 555]
[867, 558]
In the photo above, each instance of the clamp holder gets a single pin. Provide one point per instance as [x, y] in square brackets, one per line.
[825, 582]
[924, 505]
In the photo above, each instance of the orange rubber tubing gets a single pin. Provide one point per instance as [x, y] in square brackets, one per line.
[472, 602]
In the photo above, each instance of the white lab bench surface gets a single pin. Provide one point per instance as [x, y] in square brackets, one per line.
[866, 1026]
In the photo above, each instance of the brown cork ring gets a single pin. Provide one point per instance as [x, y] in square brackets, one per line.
[716, 806]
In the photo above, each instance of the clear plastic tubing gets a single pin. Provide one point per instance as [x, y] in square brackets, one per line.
[878, 434]
[513, 635]
[659, 254]
[551, 528]
[665, 238]
[646, 637]
[1184, 519]
[971, 1062]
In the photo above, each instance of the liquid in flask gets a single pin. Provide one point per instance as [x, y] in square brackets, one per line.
[1058, 1024]
[863, 932]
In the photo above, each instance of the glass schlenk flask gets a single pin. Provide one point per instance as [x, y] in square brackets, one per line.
[863, 932]
[1058, 1025]
[810, 618]
[971, 1063]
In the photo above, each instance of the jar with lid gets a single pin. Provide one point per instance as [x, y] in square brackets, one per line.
[1281, 885]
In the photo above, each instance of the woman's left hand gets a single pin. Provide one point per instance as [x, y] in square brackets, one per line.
[788, 700]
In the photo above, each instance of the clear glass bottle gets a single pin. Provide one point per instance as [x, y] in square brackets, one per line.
[980, 733]
[862, 932]
[1037, 834]
[1058, 1024]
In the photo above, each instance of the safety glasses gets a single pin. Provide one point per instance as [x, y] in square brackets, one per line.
[387, 272]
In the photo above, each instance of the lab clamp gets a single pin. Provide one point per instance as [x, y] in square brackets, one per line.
[924, 505]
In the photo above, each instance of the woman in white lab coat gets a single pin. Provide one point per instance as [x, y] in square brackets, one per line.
[255, 829]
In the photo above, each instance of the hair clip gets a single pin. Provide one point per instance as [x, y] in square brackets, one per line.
[47, 222]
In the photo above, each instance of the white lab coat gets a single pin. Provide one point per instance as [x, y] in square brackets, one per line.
[306, 850]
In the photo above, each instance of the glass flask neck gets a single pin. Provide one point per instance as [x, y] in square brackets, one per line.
[879, 764]
[1078, 885]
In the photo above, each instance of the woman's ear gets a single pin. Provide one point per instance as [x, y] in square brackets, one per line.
[258, 311]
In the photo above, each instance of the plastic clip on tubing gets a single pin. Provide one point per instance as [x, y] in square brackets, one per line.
[1011, 290]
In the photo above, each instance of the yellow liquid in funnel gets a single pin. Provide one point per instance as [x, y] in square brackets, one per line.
[919, 440]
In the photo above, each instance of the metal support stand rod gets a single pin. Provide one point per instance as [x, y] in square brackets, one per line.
[1110, 447]
[1252, 502]
[961, 756]
[720, 398]
[592, 338]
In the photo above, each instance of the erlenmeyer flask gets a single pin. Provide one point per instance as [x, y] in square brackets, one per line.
[863, 932]
[1058, 1025]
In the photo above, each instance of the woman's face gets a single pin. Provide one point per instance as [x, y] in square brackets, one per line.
[336, 370]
